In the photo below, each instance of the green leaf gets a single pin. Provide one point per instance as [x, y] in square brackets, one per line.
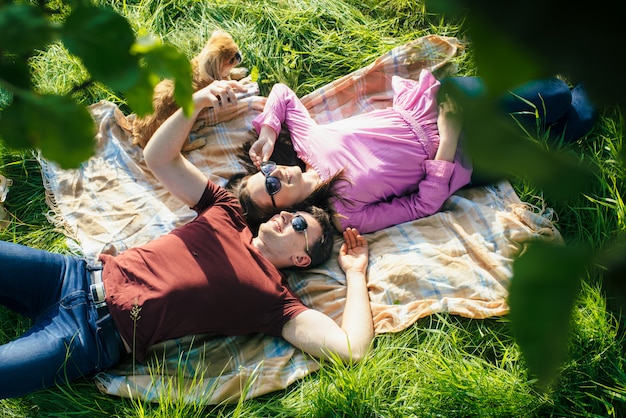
[503, 63]
[15, 72]
[254, 74]
[167, 62]
[546, 280]
[183, 91]
[498, 148]
[59, 127]
[613, 262]
[102, 39]
[24, 29]
[139, 96]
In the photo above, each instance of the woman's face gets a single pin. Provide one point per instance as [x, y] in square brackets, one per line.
[292, 187]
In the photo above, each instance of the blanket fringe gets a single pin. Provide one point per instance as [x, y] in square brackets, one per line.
[541, 220]
[544, 211]
[54, 215]
[517, 206]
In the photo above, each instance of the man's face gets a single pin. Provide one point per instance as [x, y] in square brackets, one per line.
[281, 235]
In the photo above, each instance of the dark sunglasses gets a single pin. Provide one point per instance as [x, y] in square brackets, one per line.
[272, 184]
[299, 224]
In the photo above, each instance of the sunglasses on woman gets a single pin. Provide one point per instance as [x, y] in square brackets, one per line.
[272, 184]
[298, 223]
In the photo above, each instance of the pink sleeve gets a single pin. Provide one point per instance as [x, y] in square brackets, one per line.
[440, 183]
[283, 106]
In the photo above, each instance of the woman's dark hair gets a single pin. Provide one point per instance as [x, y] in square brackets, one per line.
[283, 154]
[256, 215]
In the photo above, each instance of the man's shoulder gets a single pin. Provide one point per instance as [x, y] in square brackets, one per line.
[216, 195]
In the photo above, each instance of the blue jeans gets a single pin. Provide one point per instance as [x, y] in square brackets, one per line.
[64, 342]
[566, 113]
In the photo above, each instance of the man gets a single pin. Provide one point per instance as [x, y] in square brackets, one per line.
[208, 276]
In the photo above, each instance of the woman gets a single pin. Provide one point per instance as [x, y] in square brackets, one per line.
[374, 170]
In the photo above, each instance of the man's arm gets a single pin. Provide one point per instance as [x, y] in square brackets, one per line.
[163, 155]
[317, 334]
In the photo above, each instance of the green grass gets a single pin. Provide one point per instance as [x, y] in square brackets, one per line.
[442, 366]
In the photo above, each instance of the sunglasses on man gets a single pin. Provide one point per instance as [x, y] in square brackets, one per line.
[272, 184]
[299, 224]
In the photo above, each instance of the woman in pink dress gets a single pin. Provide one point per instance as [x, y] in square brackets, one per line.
[390, 165]
[377, 169]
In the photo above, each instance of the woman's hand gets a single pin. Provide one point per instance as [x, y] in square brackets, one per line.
[353, 255]
[449, 123]
[218, 95]
[263, 147]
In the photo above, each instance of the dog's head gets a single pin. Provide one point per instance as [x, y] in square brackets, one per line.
[218, 57]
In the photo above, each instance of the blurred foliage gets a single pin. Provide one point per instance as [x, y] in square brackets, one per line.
[541, 301]
[514, 42]
[106, 45]
[511, 42]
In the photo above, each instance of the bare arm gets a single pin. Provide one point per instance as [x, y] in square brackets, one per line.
[163, 155]
[449, 126]
[282, 109]
[317, 334]
[263, 147]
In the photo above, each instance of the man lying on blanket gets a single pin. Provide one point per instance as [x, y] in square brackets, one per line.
[182, 283]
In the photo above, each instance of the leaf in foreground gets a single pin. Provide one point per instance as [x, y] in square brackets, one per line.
[23, 28]
[167, 62]
[546, 280]
[62, 129]
[103, 40]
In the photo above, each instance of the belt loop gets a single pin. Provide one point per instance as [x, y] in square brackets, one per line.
[96, 286]
[94, 267]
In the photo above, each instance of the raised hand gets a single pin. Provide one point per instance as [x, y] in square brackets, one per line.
[354, 252]
[219, 94]
[449, 123]
[263, 147]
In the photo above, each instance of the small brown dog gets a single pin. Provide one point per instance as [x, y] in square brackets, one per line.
[216, 61]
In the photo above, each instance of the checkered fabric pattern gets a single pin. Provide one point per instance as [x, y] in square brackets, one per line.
[457, 261]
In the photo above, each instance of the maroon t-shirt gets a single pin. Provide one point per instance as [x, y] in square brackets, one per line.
[203, 277]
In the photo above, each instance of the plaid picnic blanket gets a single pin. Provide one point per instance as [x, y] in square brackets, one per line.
[457, 261]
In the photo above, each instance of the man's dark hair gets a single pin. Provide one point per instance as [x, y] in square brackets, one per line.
[321, 249]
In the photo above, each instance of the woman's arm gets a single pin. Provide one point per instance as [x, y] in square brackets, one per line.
[282, 107]
[449, 122]
[442, 179]
[163, 155]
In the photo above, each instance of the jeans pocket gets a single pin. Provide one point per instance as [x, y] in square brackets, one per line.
[110, 343]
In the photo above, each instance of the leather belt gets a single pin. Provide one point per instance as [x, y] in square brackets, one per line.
[112, 338]
[97, 293]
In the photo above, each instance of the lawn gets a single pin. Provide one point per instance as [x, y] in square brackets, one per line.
[442, 366]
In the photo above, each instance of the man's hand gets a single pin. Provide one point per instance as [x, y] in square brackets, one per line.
[163, 155]
[319, 335]
[353, 255]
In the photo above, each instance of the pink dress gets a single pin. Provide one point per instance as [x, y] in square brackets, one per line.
[388, 154]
